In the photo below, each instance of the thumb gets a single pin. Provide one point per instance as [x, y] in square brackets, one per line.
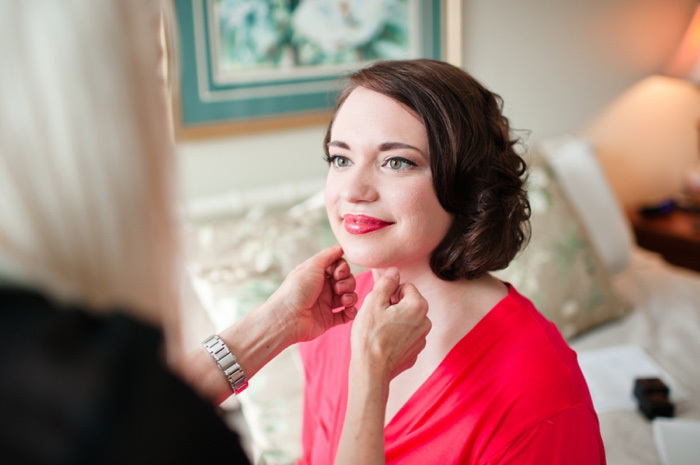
[387, 285]
[327, 256]
[409, 292]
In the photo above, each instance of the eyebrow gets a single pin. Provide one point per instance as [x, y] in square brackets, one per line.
[339, 144]
[384, 147]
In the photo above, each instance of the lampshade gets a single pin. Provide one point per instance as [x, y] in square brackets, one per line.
[685, 63]
[647, 138]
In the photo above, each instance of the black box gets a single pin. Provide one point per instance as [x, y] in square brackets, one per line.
[653, 398]
[656, 405]
[643, 386]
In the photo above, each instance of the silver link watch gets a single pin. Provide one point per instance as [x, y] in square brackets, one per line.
[227, 363]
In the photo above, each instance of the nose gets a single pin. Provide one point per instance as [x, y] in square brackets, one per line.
[357, 186]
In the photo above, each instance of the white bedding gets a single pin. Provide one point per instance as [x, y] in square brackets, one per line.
[665, 322]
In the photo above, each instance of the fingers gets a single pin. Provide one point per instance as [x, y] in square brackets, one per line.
[345, 300]
[339, 269]
[327, 257]
[412, 354]
[340, 273]
[343, 284]
[410, 297]
[394, 299]
[386, 286]
[347, 314]
[408, 290]
[336, 268]
[391, 328]
[414, 340]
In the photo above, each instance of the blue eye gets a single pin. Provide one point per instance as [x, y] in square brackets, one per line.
[398, 163]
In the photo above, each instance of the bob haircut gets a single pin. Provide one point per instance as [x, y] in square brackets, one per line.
[477, 174]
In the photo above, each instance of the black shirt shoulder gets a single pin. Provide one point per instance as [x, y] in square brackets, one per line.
[76, 388]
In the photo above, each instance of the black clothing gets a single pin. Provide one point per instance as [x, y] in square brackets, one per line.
[78, 389]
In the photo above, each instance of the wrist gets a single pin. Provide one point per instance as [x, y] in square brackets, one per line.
[227, 363]
[362, 434]
[369, 376]
[283, 318]
[370, 353]
[257, 338]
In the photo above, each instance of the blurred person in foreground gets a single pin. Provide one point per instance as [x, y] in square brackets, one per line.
[92, 369]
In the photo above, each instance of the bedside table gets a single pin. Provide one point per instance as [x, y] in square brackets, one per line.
[675, 235]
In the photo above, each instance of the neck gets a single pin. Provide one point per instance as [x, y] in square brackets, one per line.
[449, 300]
[435, 290]
[418, 274]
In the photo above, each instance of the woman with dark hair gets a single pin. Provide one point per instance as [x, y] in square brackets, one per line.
[424, 176]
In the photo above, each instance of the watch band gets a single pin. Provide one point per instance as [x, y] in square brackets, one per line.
[227, 363]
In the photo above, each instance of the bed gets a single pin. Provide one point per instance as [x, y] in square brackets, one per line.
[612, 300]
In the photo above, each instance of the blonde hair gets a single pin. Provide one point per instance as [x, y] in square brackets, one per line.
[86, 156]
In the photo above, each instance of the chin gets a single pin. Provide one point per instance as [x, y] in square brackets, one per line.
[357, 257]
[366, 256]
[366, 262]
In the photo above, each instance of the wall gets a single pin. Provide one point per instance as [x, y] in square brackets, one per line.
[561, 65]
[556, 63]
[214, 166]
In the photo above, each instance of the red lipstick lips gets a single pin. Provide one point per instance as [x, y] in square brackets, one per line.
[361, 224]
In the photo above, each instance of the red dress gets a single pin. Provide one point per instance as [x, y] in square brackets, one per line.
[509, 392]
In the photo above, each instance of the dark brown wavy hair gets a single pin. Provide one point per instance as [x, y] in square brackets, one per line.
[477, 174]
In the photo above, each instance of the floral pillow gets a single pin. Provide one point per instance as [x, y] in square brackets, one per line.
[559, 270]
[235, 266]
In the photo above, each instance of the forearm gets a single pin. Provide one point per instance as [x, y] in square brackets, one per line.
[255, 339]
[362, 438]
[385, 340]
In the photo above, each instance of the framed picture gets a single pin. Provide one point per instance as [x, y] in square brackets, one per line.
[259, 64]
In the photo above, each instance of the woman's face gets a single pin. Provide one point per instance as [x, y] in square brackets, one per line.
[379, 193]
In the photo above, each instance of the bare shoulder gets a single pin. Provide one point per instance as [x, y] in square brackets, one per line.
[494, 289]
[483, 294]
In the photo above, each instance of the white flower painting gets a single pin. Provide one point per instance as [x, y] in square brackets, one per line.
[304, 37]
[269, 61]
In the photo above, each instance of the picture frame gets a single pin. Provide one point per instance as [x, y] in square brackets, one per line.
[272, 64]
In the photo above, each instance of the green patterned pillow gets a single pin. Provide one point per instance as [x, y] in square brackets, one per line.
[235, 266]
[559, 270]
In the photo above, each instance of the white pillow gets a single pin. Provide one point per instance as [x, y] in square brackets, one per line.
[584, 184]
